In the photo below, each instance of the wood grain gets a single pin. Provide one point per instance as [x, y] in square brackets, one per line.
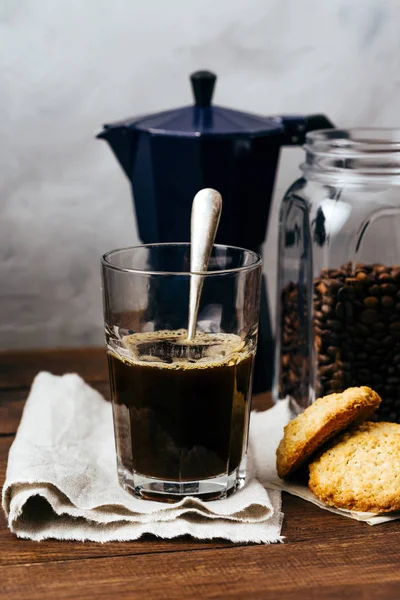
[325, 556]
[348, 569]
[17, 369]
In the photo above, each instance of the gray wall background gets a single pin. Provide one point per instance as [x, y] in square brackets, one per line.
[67, 66]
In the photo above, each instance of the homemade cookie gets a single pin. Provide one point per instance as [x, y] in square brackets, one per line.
[319, 422]
[361, 470]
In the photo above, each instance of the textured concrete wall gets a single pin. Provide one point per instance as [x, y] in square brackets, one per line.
[67, 66]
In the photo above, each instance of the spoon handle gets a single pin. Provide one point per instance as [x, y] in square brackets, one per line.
[206, 213]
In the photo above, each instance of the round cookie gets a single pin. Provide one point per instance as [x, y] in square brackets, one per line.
[326, 417]
[361, 470]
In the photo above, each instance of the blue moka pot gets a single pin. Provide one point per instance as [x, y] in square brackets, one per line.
[169, 156]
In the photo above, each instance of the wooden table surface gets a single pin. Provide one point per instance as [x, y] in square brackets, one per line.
[324, 556]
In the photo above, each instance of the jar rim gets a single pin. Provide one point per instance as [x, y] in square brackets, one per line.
[358, 137]
[353, 153]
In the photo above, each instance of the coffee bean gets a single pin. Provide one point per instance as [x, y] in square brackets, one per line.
[371, 302]
[395, 327]
[393, 380]
[334, 286]
[388, 341]
[375, 359]
[372, 342]
[369, 316]
[391, 370]
[363, 373]
[388, 289]
[346, 293]
[361, 276]
[326, 310]
[355, 284]
[349, 313]
[340, 310]
[332, 338]
[322, 288]
[387, 301]
[338, 375]
[337, 386]
[333, 351]
[326, 369]
[361, 329]
[375, 290]
[326, 335]
[385, 278]
[379, 336]
[381, 352]
[334, 325]
[378, 268]
[323, 359]
[385, 315]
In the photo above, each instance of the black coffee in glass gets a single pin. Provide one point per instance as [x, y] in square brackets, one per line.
[181, 408]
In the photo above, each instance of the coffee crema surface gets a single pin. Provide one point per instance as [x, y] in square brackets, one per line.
[181, 407]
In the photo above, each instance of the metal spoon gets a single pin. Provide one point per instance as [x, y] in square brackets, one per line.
[206, 212]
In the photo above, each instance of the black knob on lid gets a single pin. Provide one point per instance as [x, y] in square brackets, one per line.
[203, 83]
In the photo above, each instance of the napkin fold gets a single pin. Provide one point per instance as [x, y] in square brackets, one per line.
[62, 483]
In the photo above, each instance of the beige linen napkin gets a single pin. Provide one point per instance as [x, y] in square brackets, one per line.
[62, 482]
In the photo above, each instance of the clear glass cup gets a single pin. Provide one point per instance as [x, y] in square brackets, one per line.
[338, 304]
[181, 409]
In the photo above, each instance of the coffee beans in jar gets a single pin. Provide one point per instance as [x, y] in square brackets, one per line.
[356, 335]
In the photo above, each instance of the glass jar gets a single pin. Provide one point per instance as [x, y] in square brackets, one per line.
[338, 306]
